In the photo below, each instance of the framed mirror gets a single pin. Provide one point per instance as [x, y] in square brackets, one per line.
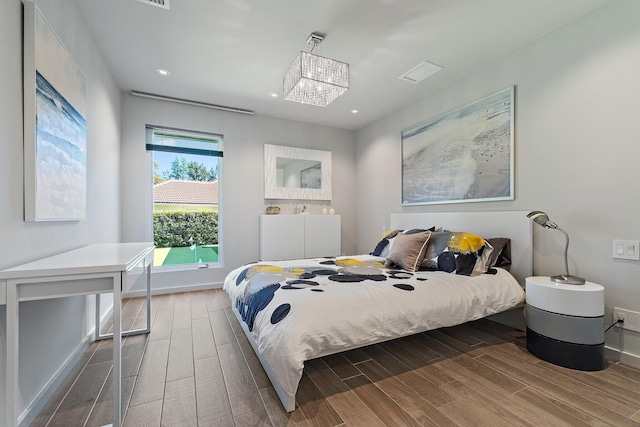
[296, 173]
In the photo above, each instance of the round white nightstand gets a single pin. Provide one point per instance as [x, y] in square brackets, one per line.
[565, 323]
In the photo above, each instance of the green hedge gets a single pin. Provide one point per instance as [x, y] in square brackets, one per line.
[173, 229]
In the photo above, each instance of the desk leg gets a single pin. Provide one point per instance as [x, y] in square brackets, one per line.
[11, 367]
[117, 350]
[149, 297]
[97, 332]
[146, 330]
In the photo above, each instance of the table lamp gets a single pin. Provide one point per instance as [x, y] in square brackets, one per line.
[542, 219]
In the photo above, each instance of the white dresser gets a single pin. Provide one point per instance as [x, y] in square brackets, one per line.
[299, 236]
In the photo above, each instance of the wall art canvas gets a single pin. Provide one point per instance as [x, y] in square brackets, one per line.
[464, 155]
[55, 144]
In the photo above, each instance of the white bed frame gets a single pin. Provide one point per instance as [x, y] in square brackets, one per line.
[512, 224]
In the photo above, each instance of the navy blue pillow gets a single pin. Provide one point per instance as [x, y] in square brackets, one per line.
[452, 262]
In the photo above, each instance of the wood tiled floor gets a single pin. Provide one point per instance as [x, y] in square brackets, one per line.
[196, 368]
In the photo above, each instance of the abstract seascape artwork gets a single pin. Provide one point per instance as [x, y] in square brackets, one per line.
[55, 133]
[464, 155]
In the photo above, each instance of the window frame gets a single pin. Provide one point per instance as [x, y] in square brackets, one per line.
[150, 131]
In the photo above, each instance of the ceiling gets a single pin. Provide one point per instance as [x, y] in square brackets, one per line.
[235, 52]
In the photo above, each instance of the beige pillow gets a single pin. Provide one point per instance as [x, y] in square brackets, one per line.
[408, 250]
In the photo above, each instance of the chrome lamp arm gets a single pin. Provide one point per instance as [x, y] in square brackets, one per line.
[566, 251]
[543, 220]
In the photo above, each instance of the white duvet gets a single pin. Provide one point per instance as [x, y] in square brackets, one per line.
[298, 315]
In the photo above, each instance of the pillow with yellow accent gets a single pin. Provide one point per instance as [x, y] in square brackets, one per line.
[458, 253]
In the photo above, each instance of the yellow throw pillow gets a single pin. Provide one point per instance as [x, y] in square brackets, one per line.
[465, 243]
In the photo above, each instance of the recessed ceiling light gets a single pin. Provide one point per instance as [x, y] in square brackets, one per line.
[355, 111]
[274, 94]
[162, 71]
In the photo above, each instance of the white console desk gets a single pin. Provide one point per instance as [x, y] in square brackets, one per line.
[93, 269]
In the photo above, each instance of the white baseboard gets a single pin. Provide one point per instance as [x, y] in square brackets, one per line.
[35, 406]
[614, 354]
[40, 400]
[173, 290]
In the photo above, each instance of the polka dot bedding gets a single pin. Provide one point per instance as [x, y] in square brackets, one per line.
[298, 310]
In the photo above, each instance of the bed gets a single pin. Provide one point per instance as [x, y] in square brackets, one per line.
[297, 310]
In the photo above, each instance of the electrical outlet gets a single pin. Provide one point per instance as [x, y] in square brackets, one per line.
[631, 318]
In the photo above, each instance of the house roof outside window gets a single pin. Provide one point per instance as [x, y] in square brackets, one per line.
[186, 192]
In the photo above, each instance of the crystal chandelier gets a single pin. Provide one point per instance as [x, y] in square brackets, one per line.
[313, 79]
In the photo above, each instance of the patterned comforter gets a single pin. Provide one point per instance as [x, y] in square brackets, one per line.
[302, 309]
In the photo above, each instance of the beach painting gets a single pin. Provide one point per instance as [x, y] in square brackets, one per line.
[55, 126]
[465, 155]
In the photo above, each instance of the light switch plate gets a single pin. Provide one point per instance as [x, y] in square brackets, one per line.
[626, 249]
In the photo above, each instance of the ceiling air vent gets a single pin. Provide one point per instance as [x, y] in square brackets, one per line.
[160, 3]
[420, 72]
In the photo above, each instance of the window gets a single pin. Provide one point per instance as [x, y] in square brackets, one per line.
[186, 184]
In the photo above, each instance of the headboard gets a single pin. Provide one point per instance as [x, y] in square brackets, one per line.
[512, 224]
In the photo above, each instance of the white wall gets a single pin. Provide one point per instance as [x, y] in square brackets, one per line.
[577, 149]
[51, 330]
[242, 172]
